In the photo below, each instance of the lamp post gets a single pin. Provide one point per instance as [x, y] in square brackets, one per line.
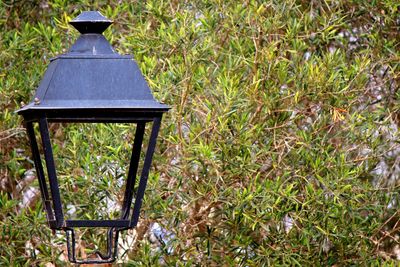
[92, 83]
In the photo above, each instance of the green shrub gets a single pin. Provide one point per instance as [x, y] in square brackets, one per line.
[281, 147]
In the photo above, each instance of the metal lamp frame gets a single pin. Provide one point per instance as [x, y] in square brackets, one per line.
[50, 191]
[92, 83]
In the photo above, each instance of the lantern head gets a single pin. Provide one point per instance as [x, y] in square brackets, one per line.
[92, 83]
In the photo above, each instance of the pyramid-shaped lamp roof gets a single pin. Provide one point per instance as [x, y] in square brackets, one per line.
[91, 78]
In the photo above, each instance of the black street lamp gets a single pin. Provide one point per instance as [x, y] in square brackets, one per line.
[92, 83]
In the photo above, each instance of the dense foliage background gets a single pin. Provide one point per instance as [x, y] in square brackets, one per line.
[281, 148]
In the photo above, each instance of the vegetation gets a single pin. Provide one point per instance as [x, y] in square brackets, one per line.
[281, 148]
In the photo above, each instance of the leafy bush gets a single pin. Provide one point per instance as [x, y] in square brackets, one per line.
[281, 147]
